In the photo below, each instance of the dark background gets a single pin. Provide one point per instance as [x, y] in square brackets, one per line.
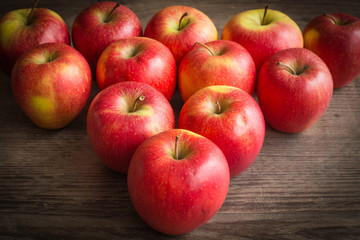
[301, 186]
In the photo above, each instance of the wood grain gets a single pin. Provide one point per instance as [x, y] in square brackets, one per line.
[301, 186]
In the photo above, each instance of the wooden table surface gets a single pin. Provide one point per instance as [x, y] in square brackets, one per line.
[301, 186]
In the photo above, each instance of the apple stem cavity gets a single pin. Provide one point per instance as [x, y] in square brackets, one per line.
[290, 69]
[182, 17]
[265, 11]
[31, 12]
[207, 48]
[112, 10]
[218, 107]
[176, 151]
[139, 99]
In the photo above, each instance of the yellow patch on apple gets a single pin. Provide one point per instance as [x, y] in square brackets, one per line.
[7, 28]
[55, 15]
[221, 89]
[145, 110]
[223, 61]
[43, 106]
[310, 38]
[11, 24]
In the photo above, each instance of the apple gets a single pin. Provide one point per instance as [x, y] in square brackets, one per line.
[51, 83]
[229, 117]
[263, 32]
[335, 38]
[177, 181]
[179, 27]
[294, 89]
[101, 24]
[219, 62]
[138, 59]
[121, 117]
[23, 29]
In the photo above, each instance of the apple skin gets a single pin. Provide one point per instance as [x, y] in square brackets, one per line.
[337, 44]
[138, 59]
[262, 41]
[18, 36]
[293, 103]
[232, 65]
[51, 83]
[177, 196]
[196, 27]
[91, 34]
[115, 131]
[239, 130]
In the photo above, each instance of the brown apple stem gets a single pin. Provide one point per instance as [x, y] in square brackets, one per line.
[207, 48]
[218, 107]
[182, 17]
[290, 69]
[31, 12]
[139, 99]
[112, 10]
[331, 17]
[177, 146]
[265, 11]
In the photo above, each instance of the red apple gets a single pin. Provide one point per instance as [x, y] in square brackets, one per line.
[138, 59]
[51, 83]
[219, 62]
[121, 117]
[294, 89]
[335, 38]
[263, 32]
[24, 29]
[179, 27]
[177, 181]
[229, 117]
[101, 24]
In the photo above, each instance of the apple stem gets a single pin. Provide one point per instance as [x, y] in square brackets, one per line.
[177, 146]
[182, 17]
[218, 107]
[265, 11]
[31, 12]
[203, 45]
[112, 10]
[290, 69]
[139, 99]
[331, 17]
